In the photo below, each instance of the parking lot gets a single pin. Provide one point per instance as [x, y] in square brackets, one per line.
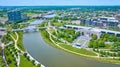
[81, 42]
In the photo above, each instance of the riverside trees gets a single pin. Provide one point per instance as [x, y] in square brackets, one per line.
[100, 42]
[68, 34]
[111, 49]
[95, 42]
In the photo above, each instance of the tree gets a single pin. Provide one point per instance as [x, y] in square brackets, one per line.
[28, 58]
[38, 65]
[94, 37]
[95, 44]
[90, 44]
[118, 53]
[101, 43]
[33, 61]
[25, 54]
[9, 61]
[116, 46]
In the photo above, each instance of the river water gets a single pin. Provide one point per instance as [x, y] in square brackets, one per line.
[52, 57]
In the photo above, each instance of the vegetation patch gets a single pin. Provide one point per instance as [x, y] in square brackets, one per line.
[10, 56]
[77, 50]
[25, 62]
[20, 42]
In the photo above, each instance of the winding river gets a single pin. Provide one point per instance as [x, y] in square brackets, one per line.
[52, 57]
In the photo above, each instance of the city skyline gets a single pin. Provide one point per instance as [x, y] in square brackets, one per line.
[60, 3]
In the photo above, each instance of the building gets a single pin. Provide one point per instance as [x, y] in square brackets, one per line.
[76, 22]
[109, 21]
[101, 22]
[14, 16]
[24, 17]
[90, 30]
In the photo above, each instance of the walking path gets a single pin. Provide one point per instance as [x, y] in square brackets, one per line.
[9, 43]
[15, 40]
[3, 55]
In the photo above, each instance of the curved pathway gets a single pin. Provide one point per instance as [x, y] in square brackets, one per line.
[3, 55]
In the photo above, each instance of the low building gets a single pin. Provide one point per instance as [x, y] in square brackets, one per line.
[109, 21]
[76, 22]
[90, 30]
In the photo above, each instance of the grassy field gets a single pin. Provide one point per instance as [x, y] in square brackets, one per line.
[45, 23]
[14, 35]
[30, 20]
[30, 13]
[2, 64]
[44, 35]
[25, 62]
[57, 23]
[81, 51]
[20, 42]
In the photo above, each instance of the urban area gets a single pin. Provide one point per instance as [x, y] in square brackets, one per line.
[36, 36]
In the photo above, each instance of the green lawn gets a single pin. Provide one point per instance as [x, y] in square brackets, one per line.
[2, 64]
[42, 24]
[14, 35]
[30, 13]
[81, 51]
[20, 42]
[45, 36]
[25, 62]
[57, 23]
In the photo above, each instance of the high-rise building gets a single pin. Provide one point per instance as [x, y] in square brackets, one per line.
[14, 16]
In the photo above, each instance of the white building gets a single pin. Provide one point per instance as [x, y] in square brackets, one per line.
[90, 30]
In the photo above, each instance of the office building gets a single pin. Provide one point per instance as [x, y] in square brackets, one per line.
[14, 16]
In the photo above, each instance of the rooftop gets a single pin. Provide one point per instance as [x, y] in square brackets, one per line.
[93, 29]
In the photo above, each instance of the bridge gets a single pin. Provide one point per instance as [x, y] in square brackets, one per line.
[33, 29]
[44, 16]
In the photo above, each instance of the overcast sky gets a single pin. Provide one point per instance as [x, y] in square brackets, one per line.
[58, 2]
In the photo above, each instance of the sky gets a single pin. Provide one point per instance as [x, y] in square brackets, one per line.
[59, 2]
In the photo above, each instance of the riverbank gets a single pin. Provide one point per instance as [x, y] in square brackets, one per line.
[105, 60]
[16, 54]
